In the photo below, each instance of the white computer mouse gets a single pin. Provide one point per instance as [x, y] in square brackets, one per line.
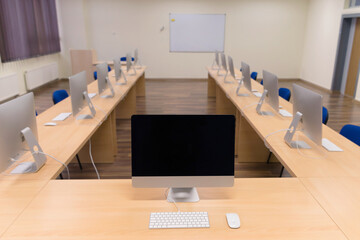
[233, 220]
[50, 124]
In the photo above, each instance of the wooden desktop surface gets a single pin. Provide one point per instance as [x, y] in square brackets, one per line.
[316, 162]
[113, 209]
[15, 196]
[68, 137]
[340, 197]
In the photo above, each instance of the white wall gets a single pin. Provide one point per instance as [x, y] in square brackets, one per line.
[266, 34]
[321, 40]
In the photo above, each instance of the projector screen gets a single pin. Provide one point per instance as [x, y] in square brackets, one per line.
[197, 32]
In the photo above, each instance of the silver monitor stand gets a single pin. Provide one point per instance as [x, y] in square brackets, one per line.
[118, 82]
[290, 134]
[183, 195]
[91, 106]
[261, 102]
[129, 66]
[111, 89]
[239, 87]
[35, 148]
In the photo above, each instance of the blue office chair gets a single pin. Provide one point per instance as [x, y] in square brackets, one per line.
[325, 115]
[57, 97]
[351, 132]
[123, 59]
[285, 93]
[254, 75]
[36, 113]
[95, 73]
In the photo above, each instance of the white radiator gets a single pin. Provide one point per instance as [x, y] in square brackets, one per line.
[9, 86]
[37, 77]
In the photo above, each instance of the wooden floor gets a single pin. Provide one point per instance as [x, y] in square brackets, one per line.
[188, 97]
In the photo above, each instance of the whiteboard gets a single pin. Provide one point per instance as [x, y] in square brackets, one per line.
[197, 32]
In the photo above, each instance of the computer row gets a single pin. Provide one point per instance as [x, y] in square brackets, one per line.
[18, 132]
[307, 105]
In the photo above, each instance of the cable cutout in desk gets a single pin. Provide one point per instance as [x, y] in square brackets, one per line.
[173, 201]
[92, 160]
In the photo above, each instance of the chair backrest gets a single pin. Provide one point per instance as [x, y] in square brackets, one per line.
[254, 75]
[285, 93]
[351, 132]
[59, 95]
[123, 59]
[109, 68]
[325, 115]
[262, 82]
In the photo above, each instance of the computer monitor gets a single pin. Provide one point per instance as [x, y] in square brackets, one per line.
[272, 94]
[216, 64]
[245, 70]
[182, 152]
[79, 96]
[137, 59]
[129, 65]
[223, 65]
[231, 67]
[246, 75]
[103, 80]
[119, 72]
[307, 111]
[18, 132]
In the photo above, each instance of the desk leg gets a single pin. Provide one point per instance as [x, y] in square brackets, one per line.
[140, 86]
[223, 104]
[211, 87]
[249, 146]
[127, 107]
[103, 143]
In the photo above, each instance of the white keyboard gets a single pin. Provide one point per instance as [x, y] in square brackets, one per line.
[61, 117]
[179, 220]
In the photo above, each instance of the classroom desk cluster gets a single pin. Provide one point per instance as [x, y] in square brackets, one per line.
[320, 202]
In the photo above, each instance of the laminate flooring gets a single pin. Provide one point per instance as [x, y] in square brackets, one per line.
[188, 96]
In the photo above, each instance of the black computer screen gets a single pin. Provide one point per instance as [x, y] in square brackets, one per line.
[182, 145]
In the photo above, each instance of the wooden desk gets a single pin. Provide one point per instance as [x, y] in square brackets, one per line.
[252, 129]
[71, 136]
[112, 209]
[15, 196]
[340, 197]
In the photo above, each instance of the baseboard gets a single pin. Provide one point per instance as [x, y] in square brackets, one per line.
[316, 86]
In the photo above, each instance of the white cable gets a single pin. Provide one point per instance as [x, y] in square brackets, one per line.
[270, 134]
[92, 160]
[245, 107]
[67, 169]
[166, 196]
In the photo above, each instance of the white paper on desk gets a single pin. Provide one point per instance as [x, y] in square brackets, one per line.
[91, 95]
[257, 94]
[285, 113]
[61, 117]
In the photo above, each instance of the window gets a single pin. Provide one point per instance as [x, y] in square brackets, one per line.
[28, 28]
[352, 3]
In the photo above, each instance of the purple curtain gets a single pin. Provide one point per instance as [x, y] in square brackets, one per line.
[28, 28]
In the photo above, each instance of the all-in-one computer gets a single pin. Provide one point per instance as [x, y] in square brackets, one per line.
[103, 80]
[18, 133]
[182, 152]
[79, 96]
[119, 73]
[307, 111]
